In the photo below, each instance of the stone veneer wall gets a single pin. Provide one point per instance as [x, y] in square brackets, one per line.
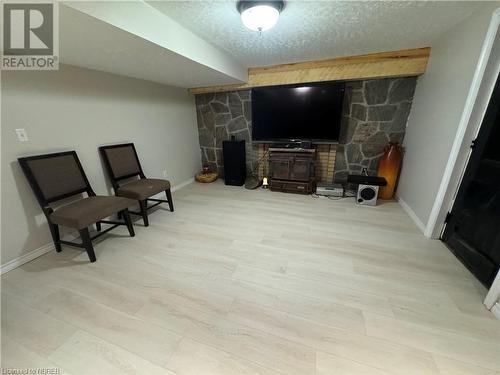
[374, 113]
[221, 116]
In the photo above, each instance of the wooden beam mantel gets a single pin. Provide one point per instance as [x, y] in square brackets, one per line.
[411, 62]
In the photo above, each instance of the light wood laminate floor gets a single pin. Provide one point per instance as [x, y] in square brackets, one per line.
[253, 282]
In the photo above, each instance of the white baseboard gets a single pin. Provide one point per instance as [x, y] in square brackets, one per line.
[19, 261]
[412, 214]
[182, 184]
[496, 310]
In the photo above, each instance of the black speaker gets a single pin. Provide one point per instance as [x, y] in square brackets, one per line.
[235, 169]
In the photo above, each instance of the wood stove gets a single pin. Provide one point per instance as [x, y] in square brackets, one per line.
[292, 170]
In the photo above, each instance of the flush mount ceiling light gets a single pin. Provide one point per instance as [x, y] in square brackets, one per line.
[260, 15]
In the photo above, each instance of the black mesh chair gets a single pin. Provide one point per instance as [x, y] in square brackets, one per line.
[54, 177]
[122, 165]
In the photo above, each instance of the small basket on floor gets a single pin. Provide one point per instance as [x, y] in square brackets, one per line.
[206, 177]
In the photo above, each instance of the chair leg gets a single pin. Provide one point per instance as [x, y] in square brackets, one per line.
[54, 231]
[87, 243]
[170, 201]
[98, 226]
[144, 212]
[130, 226]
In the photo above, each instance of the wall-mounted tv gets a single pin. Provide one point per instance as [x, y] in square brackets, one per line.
[309, 112]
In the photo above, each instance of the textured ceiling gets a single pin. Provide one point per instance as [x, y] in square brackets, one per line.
[91, 42]
[310, 30]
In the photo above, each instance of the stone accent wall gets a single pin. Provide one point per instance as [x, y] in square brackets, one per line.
[374, 113]
[221, 116]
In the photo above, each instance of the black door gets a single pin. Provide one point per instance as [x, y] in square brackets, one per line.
[473, 227]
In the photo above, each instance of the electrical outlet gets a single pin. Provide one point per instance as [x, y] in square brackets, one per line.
[165, 174]
[22, 136]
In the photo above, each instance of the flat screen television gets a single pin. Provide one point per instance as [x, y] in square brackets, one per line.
[310, 112]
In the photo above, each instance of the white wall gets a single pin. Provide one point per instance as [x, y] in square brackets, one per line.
[80, 109]
[437, 107]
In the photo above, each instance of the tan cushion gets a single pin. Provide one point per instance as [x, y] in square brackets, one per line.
[143, 188]
[87, 211]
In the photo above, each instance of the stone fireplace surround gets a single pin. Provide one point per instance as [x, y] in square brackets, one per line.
[374, 113]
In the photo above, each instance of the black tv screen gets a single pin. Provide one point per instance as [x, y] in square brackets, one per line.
[302, 112]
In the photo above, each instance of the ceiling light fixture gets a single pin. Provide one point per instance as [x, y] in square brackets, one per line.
[260, 15]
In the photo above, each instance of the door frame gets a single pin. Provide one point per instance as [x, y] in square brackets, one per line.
[448, 188]
[493, 296]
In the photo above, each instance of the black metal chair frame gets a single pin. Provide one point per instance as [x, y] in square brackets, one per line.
[115, 182]
[48, 210]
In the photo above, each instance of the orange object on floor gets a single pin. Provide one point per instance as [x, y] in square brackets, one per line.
[389, 167]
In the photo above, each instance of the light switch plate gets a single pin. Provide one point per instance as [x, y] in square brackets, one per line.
[22, 136]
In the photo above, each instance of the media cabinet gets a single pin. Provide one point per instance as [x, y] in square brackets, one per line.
[292, 170]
